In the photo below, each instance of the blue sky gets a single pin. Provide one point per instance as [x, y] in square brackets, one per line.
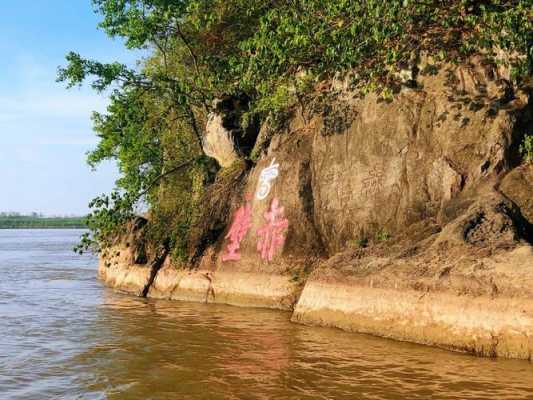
[45, 130]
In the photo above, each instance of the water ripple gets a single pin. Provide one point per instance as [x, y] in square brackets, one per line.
[66, 337]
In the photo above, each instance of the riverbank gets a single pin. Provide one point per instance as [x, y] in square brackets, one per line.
[485, 314]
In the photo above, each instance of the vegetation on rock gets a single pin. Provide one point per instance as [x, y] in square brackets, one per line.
[275, 53]
[526, 148]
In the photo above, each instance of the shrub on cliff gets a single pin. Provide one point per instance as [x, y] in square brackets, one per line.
[275, 52]
[526, 149]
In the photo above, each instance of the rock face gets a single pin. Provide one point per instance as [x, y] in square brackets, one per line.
[218, 141]
[130, 265]
[517, 186]
[409, 218]
[224, 139]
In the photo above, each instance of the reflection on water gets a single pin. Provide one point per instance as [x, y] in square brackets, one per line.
[66, 337]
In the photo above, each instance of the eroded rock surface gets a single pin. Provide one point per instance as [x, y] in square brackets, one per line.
[224, 138]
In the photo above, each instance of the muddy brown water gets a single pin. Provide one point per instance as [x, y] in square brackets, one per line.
[64, 336]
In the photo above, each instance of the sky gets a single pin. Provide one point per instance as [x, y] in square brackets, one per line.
[45, 129]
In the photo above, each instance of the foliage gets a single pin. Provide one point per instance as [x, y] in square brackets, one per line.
[108, 217]
[276, 52]
[383, 236]
[176, 212]
[374, 38]
[526, 149]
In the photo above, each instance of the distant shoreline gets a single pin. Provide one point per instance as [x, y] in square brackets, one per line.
[31, 222]
[41, 227]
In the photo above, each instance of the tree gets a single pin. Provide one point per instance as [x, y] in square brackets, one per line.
[274, 52]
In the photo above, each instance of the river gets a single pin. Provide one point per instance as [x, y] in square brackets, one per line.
[64, 336]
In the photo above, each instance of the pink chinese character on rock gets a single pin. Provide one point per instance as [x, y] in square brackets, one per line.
[239, 228]
[271, 235]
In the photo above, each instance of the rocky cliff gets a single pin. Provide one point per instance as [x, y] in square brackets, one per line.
[409, 218]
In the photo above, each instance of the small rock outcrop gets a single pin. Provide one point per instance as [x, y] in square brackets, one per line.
[225, 140]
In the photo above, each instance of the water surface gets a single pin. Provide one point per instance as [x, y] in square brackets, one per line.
[64, 336]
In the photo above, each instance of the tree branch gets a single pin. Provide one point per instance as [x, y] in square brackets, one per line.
[194, 60]
[194, 126]
[164, 174]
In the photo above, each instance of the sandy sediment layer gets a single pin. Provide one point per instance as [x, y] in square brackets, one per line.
[456, 315]
[225, 287]
[480, 325]
[125, 278]
[483, 326]
[235, 288]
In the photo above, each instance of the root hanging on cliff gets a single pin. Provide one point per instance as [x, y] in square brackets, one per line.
[156, 265]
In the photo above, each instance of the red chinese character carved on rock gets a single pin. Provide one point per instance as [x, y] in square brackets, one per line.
[241, 224]
[272, 234]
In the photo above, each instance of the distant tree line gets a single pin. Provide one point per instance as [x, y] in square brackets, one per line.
[15, 220]
[17, 214]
